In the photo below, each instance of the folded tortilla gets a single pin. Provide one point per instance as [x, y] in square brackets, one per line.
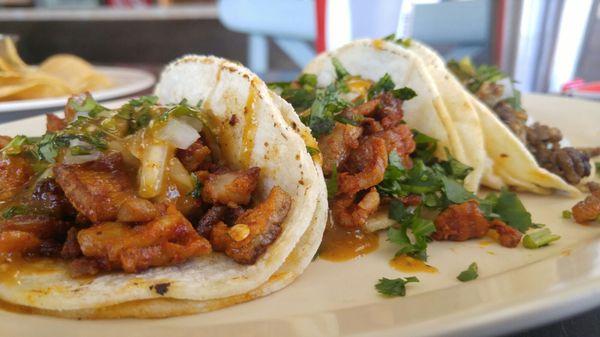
[260, 136]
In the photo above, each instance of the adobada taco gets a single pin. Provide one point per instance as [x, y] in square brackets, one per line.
[199, 198]
[374, 125]
[529, 156]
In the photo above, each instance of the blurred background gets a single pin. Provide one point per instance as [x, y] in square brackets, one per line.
[544, 45]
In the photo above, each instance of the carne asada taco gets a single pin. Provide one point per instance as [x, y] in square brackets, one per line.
[529, 156]
[198, 198]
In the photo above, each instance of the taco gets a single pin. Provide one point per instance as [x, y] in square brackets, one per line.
[528, 155]
[200, 197]
[390, 149]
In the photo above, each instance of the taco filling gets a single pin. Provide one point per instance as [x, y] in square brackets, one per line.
[129, 189]
[373, 161]
[495, 89]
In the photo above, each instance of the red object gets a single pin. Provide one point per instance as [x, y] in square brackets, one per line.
[499, 31]
[321, 12]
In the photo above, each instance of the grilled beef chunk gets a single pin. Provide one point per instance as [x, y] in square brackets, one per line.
[336, 145]
[54, 123]
[4, 140]
[354, 214]
[24, 234]
[588, 209]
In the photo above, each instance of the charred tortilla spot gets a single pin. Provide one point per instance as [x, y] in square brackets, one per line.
[503, 155]
[233, 120]
[161, 288]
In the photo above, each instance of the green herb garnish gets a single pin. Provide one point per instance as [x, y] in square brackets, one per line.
[566, 214]
[332, 183]
[15, 210]
[312, 150]
[394, 287]
[539, 239]
[469, 274]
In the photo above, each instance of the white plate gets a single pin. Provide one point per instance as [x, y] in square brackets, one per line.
[126, 81]
[517, 288]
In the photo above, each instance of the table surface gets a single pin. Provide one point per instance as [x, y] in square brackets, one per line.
[586, 324]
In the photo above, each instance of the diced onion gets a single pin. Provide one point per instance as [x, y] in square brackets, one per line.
[71, 159]
[507, 90]
[152, 169]
[191, 121]
[178, 133]
[180, 176]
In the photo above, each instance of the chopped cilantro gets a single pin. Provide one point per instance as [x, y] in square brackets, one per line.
[455, 192]
[150, 100]
[394, 287]
[89, 106]
[312, 150]
[510, 209]
[196, 193]
[15, 210]
[538, 239]
[340, 71]
[332, 183]
[469, 274]
[403, 42]
[384, 84]
[597, 164]
[404, 93]
[323, 109]
[15, 146]
[420, 227]
[566, 214]
[426, 146]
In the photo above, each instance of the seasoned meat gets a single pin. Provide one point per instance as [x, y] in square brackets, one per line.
[96, 188]
[254, 230]
[350, 214]
[230, 187]
[50, 199]
[515, 119]
[170, 239]
[460, 222]
[588, 209]
[70, 248]
[15, 172]
[194, 156]
[390, 110]
[508, 236]
[570, 164]
[4, 140]
[367, 166]
[216, 214]
[137, 210]
[16, 242]
[367, 108]
[336, 145]
[210, 218]
[399, 139]
[46, 232]
[54, 123]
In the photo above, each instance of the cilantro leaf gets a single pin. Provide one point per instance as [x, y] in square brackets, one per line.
[332, 183]
[150, 100]
[469, 274]
[16, 145]
[420, 227]
[15, 210]
[426, 146]
[196, 193]
[384, 84]
[403, 42]
[394, 287]
[511, 210]
[340, 71]
[312, 150]
[404, 93]
[455, 192]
